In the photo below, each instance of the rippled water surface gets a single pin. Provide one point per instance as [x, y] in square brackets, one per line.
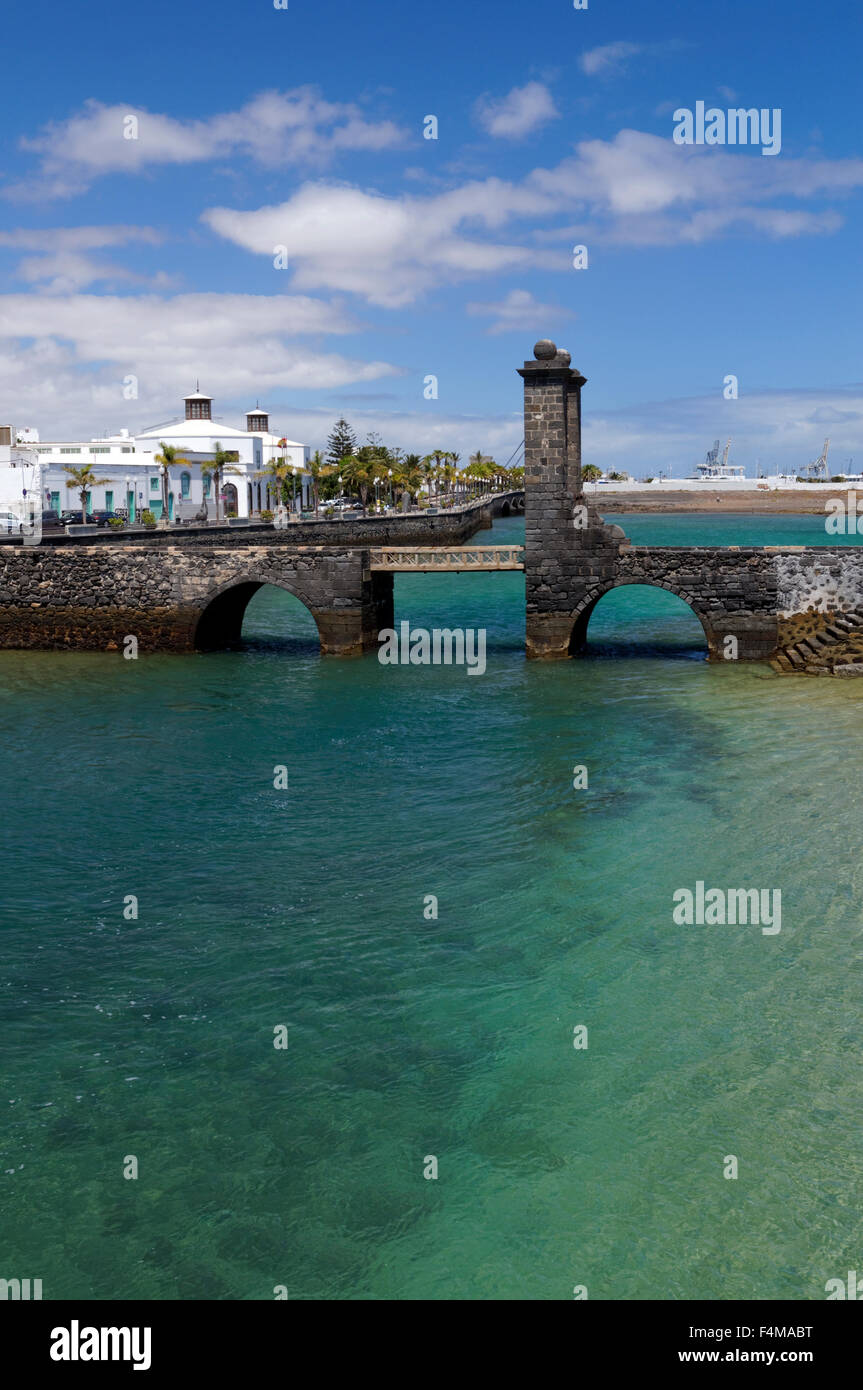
[410, 1037]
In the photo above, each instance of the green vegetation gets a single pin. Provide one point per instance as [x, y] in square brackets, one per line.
[378, 476]
[84, 479]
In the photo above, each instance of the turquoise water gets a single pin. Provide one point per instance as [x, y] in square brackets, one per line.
[411, 1037]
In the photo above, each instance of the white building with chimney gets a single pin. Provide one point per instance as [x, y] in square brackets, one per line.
[132, 479]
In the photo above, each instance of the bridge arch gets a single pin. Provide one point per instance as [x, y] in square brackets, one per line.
[218, 621]
[584, 610]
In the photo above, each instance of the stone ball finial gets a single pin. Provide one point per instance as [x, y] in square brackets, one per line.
[544, 350]
[564, 356]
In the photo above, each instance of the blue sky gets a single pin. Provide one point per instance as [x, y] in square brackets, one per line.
[259, 128]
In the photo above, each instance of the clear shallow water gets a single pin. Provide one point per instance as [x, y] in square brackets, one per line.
[451, 1037]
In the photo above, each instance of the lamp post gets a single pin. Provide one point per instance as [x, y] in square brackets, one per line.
[390, 476]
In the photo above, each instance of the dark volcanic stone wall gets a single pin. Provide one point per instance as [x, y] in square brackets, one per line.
[572, 557]
[178, 590]
[92, 597]
[569, 550]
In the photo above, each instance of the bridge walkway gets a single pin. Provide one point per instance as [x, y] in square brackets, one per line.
[429, 559]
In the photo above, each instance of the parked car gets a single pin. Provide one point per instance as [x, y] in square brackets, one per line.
[101, 517]
[71, 518]
[10, 524]
[51, 521]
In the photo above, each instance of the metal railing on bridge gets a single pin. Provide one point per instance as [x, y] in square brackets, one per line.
[431, 558]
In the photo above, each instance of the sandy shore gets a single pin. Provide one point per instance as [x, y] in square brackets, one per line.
[606, 500]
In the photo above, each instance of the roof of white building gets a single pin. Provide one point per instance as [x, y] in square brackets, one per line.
[194, 429]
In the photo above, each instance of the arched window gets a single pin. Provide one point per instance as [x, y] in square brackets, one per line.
[185, 484]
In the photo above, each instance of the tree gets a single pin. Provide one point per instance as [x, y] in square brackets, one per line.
[407, 478]
[448, 474]
[169, 458]
[206, 477]
[220, 458]
[590, 473]
[84, 480]
[482, 470]
[431, 468]
[341, 443]
[317, 470]
[359, 473]
[277, 474]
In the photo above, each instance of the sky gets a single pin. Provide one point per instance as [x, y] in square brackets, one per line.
[244, 196]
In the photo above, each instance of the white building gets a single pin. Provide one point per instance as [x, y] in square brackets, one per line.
[133, 479]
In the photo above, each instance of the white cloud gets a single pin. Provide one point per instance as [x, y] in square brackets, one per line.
[631, 179]
[388, 249]
[418, 432]
[60, 265]
[63, 360]
[519, 311]
[67, 272]
[275, 129]
[609, 57]
[783, 430]
[77, 238]
[636, 189]
[522, 111]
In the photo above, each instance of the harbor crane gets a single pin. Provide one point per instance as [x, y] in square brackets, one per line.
[818, 467]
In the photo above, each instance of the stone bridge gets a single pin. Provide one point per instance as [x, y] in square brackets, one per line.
[185, 590]
[765, 599]
[188, 590]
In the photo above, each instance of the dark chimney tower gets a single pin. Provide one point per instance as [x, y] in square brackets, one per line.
[199, 406]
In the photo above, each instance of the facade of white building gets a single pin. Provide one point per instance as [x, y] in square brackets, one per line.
[132, 480]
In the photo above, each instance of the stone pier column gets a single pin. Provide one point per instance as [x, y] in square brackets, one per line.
[569, 551]
[349, 624]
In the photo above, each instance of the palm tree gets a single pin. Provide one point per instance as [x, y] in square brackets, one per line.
[206, 478]
[358, 473]
[168, 458]
[448, 473]
[317, 470]
[407, 478]
[277, 474]
[454, 460]
[84, 480]
[482, 470]
[220, 458]
[430, 464]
